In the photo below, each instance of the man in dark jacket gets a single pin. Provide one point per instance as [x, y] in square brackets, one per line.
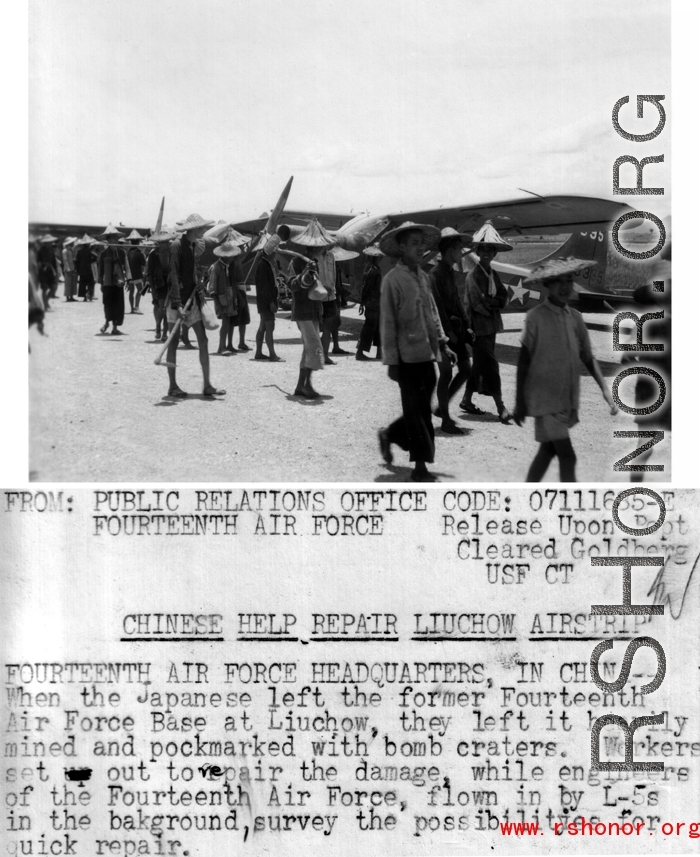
[111, 267]
[369, 304]
[84, 260]
[266, 294]
[137, 262]
[48, 269]
[183, 302]
[486, 296]
[157, 267]
[454, 322]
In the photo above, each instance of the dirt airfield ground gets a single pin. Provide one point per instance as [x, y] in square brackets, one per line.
[99, 412]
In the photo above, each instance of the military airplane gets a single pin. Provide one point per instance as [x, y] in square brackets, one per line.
[586, 219]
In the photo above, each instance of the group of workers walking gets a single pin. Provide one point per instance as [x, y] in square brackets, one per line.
[414, 319]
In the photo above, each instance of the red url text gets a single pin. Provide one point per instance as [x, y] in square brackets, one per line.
[600, 828]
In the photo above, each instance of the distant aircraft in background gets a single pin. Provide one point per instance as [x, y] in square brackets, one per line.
[589, 286]
[77, 230]
[587, 219]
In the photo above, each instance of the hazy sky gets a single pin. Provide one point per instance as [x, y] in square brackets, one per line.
[380, 106]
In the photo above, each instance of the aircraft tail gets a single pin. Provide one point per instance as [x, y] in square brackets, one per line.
[591, 246]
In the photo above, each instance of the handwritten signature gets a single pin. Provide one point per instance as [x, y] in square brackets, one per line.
[671, 585]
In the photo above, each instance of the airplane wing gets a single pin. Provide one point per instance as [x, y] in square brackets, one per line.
[602, 301]
[533, 214]
[294, 218]
[536, 214]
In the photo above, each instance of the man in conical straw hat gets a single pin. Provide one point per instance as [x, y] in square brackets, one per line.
[223, 287]
[369, 303]
[84, 259]
[157, 267]
[184, 300]
[314, 241]
[412, 340]
[242, 318]
[486, 296]
[48, 267]
[554, 344]
[455, 322]
[332, 307]
[136, 262]
[111, 274]
[69, 268]
[266, 295]
[321, 243]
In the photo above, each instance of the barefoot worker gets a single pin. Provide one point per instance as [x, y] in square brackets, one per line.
[554, 344]
[184, 300]
[84, 260]
[332, 320]
[111, 274]
[222, 286]
[307, 306]
[412, 340]
[369, 303]
[69, 275]
[485, 296]
[266, 295]
[48, 268]
[137, 262]
[455, 323]
[157, 266]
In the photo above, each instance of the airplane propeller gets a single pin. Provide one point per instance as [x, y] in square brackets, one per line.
[159, 222]
[270, 226]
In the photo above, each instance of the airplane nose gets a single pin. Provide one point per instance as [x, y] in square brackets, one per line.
[360, 232]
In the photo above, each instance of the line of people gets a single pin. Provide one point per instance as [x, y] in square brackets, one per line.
[425, 321]
[415, 320]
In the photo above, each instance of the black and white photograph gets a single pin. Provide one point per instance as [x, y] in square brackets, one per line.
[287, 260]
[350, 671]
[349, 242]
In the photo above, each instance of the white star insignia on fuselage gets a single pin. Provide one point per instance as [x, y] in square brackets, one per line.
[519, 293]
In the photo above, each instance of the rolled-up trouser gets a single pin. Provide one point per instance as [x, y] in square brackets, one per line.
[414, 431]
[485, 377]
[369, 335]
[312, 355]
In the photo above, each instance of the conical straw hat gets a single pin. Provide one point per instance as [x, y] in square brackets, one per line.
[110, 230]
[194, 221]
[228, 250]
[234, 237]
[165, 234]
[372, 250]
[342, 255]
[389, 245]
[552, 269]
[448, 234]
[134, 236]
[488, 236]
[314, 236]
